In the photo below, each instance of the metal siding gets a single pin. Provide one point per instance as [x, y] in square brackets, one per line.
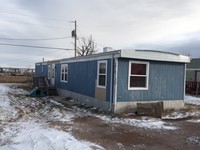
[39, 72]
[166, 82]
[108, 80]
[82, 78]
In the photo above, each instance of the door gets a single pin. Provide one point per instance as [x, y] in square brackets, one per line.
[52, 74]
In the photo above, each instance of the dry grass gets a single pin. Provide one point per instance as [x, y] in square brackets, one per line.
[15, 79]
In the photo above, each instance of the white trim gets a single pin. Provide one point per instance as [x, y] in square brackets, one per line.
[61, 67]
[147, 75]
[154, 55]
[99, 62]
[115, 80]
[184, 82]
[97, 57]
[125, 53]
[44, 63]
[192, 69]
[111, 83]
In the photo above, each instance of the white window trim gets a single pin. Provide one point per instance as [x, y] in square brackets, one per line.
[64, 65]
[100, 86]
[147, 75]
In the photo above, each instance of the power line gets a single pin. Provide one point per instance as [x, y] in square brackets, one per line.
[57, 38]
[45, 17]
[33, 46]
[36, 24]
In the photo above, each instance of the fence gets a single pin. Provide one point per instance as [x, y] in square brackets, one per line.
[192, 87]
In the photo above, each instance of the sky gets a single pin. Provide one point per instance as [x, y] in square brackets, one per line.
[166, 25]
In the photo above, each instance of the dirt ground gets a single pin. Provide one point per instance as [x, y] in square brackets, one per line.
[118, 136]
[111, 136]
[15, 79]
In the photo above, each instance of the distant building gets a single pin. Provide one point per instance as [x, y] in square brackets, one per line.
[193, 70]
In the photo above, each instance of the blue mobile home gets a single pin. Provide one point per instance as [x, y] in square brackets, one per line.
[117, 80]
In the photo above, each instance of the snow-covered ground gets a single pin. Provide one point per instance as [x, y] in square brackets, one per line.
[192, 100]
[26, 123]
[23, 125]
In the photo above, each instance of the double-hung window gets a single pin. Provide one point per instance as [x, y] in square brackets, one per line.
[138, 75]
[64, 72]
[102, 74]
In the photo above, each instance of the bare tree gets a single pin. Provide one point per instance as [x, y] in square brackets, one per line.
[86, 46]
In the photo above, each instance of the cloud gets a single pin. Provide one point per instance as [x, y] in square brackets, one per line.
[149, 24]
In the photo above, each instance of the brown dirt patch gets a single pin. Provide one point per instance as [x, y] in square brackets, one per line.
[15, 79]
[118, 136]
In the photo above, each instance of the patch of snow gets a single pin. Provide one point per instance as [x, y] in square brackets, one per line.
[24, 123]
[194, 120]
[55, 102]
[194, 140]
[4, 88]
[192, 100]
[177, 115]
[33, 136]
[147, 123]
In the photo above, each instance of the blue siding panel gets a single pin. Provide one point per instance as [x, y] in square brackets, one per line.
[82, 78]
[166, 82]
[39, 72]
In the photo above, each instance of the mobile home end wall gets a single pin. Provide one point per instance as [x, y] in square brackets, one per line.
[166, 82]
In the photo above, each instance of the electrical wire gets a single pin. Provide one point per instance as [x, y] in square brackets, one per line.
[57, 38]
[40, 25]
[33, 46]
[44, 17]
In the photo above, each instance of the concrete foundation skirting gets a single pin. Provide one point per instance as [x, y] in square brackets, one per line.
[90, 101]
[121, 107]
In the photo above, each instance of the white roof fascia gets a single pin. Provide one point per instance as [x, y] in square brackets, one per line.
[193, 69]
[154, 55]
[101, 56]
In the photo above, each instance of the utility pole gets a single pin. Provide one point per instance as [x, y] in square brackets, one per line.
[74, 35]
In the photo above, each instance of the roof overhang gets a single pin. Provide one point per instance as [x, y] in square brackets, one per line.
[154, 55]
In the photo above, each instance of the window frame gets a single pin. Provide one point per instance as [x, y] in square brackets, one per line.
[98, 74]
[147, 75]
[61, 74]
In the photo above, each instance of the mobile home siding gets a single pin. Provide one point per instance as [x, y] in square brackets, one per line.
[166, 82]
[82, 77]
[41, 70]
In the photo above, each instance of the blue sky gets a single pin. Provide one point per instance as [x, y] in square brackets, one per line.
[168, 25]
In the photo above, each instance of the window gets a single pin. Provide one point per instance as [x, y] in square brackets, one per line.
[138, 75]
[102, 73]
[64, 72]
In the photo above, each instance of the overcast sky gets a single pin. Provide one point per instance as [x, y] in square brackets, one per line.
[167, 25]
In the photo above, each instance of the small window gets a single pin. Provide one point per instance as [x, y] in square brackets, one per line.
[64, 72]
[102, 74]
[138, 75]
